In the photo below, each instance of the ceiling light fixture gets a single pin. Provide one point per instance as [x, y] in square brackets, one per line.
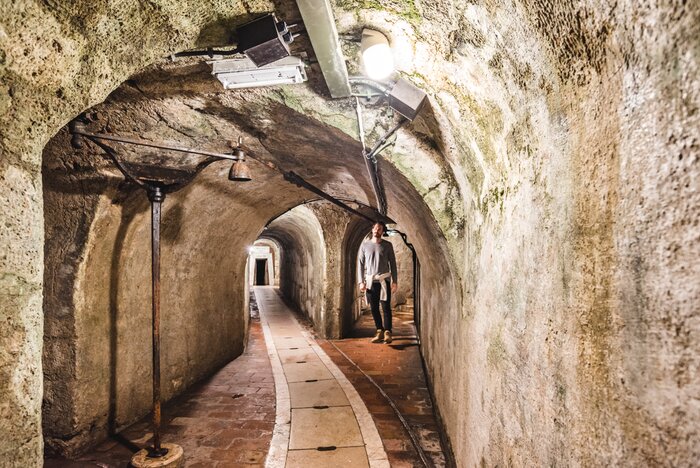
[263, 40]
[406, 98]
[243, 73]
[377, 59]
[239, 172]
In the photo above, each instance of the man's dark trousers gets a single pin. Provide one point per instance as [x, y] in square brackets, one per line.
[373, 293]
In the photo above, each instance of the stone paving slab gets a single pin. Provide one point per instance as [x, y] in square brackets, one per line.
[288, 356]
[322, 427]
[329, 427]
[320, 393]
[350, 457]
[291, 343]
[306, 371]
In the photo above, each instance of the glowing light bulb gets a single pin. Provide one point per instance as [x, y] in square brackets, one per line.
[377, 59]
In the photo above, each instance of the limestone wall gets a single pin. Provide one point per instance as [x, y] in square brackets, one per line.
[97, 303]
[302, 261]
[334, 222]
[566, 185]
[404, 267]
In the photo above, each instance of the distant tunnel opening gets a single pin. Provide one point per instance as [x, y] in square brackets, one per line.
[261, 276]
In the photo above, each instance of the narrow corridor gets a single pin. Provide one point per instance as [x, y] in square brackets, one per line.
[291, 400]
[534, 164]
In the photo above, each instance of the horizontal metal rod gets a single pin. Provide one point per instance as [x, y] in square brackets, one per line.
[300, 182]
[78, 130]
[209, 52]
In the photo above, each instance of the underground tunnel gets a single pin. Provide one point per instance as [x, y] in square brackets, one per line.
[543, 204]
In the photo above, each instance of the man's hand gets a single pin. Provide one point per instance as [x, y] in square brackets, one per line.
[363, 287]
[394, 287]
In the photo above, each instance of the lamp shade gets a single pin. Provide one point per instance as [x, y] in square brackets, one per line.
[240, 172]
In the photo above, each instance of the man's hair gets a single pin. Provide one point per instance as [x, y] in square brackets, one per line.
[381, 224]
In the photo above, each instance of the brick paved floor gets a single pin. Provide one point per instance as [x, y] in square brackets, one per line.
[397, 368]
[226, 421]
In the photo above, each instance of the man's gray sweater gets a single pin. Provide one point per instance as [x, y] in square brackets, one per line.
[376, 259]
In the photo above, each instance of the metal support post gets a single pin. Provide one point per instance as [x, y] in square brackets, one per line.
[156, 197]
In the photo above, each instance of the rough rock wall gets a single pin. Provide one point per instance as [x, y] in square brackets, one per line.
[404, 268]
[566, 184]
[302, 261]
[333, 221]
[558, 156]
[55, 61]
[352, 299]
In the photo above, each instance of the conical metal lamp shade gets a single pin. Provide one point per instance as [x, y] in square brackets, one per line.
[240, 172]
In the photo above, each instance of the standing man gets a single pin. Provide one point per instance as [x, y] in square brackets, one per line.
[377, 267]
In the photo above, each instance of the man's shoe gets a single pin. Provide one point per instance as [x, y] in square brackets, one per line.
[377, 337]
[387, 337]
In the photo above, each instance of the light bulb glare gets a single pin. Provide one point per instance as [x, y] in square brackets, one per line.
[377, 58]
[378, 61]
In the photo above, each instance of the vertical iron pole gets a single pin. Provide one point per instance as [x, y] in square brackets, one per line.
[156, 197]
[416, 295]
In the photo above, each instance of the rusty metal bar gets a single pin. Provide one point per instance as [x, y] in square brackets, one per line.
[372, 164]
[360, 124]
[292, 177]
[79, 129]
[375, 150]
[156, 197]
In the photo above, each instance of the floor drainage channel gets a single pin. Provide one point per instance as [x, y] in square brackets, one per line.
[326, 449]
